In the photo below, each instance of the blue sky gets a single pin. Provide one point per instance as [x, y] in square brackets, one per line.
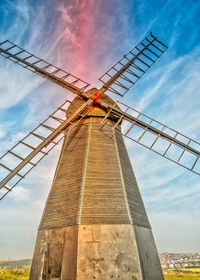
[86, 38]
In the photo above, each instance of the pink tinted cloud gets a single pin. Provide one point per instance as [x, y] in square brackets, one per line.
[79, 20]
[89, 36]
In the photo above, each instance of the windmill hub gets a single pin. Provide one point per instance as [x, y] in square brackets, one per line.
[97, 97]
[93, 110]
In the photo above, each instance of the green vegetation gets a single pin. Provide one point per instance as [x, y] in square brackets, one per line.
[12, 274]
[181, 277]
[182, 274]
[15, 270]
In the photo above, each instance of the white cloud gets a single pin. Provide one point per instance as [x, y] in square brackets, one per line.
[4, 127]
[20, 194]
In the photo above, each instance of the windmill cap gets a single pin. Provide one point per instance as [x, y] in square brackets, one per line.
[95, 111]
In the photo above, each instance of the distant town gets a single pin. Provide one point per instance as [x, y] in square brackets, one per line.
[168, 260]
[179, 260]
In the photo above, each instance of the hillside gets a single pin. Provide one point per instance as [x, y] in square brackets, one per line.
[19, 264]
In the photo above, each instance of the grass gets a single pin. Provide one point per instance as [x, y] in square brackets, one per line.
[13, 274]
[182, 274]
[181, 277]
[197, 269]
[192, 269]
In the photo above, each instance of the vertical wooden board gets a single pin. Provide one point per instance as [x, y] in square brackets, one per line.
[69, 256]
[39, 256]
[62, 206]
[149, 259]
[103, 196]
[136, 205]
[55, 255]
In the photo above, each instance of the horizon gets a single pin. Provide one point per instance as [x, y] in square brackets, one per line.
[11, 259]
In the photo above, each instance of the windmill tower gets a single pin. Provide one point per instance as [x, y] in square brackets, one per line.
[100, 209]
[94, 225]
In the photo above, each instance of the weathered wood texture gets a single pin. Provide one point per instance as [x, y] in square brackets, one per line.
[107, 252]
[55, 255]
[83, 252]
[98, 252]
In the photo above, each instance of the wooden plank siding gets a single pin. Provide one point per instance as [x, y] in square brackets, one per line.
[94, 181]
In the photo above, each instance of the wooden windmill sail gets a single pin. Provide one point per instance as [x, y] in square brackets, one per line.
[94, 225]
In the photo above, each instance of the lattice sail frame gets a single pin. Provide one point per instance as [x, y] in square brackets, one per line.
[156, 136]
[33, 63]
[17, 162]
[127, 71]
[118, 79]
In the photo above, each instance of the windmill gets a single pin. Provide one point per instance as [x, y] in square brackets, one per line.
[94, 225]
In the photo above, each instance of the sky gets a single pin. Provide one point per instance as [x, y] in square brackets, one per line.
[86, 38]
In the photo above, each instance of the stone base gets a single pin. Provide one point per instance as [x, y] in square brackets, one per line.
[96, 252]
